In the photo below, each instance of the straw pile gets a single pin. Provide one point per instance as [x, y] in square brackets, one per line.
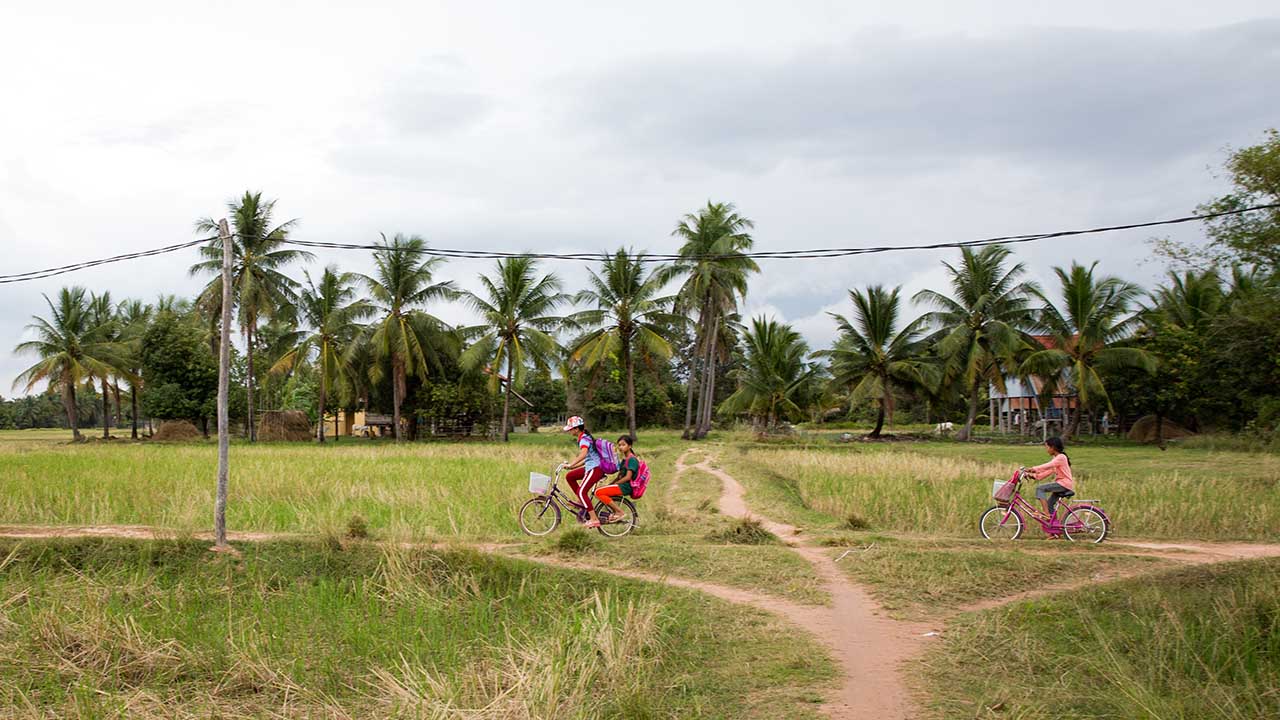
[176, 431]
[289, 425]
[1145, 430]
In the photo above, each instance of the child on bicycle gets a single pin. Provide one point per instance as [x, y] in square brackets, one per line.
[1058, 469]
[628, 471]
[584, 471]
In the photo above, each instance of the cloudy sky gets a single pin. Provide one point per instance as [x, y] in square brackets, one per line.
[587, 125]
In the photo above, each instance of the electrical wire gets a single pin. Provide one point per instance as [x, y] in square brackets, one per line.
[810, 254]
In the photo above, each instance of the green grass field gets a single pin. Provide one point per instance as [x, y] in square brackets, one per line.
[942, 487]
[112, 628]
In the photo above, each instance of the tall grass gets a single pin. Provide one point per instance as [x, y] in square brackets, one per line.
[930, 491]
[1195, 644]
[108, 628]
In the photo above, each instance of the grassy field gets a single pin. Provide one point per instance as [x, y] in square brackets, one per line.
[111, 628]
[1191, 644]
[942, 487]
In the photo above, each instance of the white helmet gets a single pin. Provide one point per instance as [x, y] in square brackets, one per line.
[574, 422]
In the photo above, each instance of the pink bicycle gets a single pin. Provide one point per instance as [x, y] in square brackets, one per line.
[1007, 518]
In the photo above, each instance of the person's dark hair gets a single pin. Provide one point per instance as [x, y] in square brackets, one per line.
[630, 440]
[1056, 443]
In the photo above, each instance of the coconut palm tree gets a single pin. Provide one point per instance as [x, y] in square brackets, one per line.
[332, 313]
[629, 317]
[872, 354]
[715, 271]
[980, 329]
[1096, 314]
[517, 310]
[135, 317]
[1189, 301]
[774, 370]
[72, 349]
[102, 313]
[406, 335]
[260, 288]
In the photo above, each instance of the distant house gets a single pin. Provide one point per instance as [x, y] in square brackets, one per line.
[1018, 407]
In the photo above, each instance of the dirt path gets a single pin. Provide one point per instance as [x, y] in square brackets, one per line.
[868, 645]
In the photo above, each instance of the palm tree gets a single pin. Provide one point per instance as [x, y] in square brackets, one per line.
[1095, 315]
[135, 317]
[872, 354]
[516, 311]
[332, 313]
[102, 313]
[259, 286]
[406, 335]
[715, 269]
[629, 316]
[1190, 300]
[773, 372]
[980, 328]
[71, 348]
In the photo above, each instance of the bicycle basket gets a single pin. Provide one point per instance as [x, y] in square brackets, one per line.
[539, 483]
[1002, 490]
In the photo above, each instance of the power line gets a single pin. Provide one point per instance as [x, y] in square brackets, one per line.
[811, 254]
[51, 272]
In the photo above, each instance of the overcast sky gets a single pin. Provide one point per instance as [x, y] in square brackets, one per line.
[574, 126]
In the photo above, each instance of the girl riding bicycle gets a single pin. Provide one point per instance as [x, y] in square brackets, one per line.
[584, 470]
[1059, 470]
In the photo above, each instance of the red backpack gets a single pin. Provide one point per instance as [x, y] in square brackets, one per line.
[641, 482]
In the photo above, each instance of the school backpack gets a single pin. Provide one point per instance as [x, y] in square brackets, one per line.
[608, 456]
[641, 482]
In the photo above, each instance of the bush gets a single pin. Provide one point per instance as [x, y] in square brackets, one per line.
[575, 541]
[357, 528]
[745, 531]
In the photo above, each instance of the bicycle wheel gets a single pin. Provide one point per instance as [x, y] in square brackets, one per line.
[621, 524]
[999, 523]
[1084, 524]
[539, 515]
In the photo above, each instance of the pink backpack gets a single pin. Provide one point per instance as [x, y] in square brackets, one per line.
[641, 482]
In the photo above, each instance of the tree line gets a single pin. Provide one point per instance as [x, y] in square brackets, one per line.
[642, 338]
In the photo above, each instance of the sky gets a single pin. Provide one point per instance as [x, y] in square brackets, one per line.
[584, 126]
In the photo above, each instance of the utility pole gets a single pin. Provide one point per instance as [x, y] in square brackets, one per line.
[224, 383]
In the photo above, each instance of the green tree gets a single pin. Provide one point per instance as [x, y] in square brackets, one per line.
[260, 288]
[715, 269]
[102, 313]
[1252, 238]
[979, 328]
[332, 314]
[773, 372]
[1096, 316]
[134, 317]
[517, 310]
[180, 377]
[72, 348]
[1191, 300]
[405, 335]
[630, 317]
[872, 353]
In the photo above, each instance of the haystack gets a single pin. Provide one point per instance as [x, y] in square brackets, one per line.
[176, 431]
[290, 425]
[1144, 430]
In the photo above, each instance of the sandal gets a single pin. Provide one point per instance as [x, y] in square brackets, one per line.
[591, 524]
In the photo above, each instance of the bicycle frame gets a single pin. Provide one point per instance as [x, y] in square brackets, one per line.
[564, 500]
[1049, 525]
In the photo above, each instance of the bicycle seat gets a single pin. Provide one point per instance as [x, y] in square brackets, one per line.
[1067, 494]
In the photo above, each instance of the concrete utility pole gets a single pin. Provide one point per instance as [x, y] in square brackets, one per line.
[224, 386]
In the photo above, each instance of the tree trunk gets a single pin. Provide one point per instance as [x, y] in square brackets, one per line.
[709, 380]
[629, 363]
[249, 333]
[888, 400]
[1074, 427]
[397, 372]
[690, 388]
[73, 412]
[115, 392]
[879, 422]
[966, 432]
[106, 410]
[133, 402]
[506, 397]
[324, 387]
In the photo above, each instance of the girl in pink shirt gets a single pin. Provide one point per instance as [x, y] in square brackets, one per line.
[1058, 469]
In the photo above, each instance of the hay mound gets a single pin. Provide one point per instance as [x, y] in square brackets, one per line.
[176, 431]
[289, 425]
[1145, 430]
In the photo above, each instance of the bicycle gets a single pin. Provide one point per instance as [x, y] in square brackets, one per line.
[541, 515]
[1005, 520]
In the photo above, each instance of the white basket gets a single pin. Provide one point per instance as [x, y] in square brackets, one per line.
[995, 486]
[539, 483]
